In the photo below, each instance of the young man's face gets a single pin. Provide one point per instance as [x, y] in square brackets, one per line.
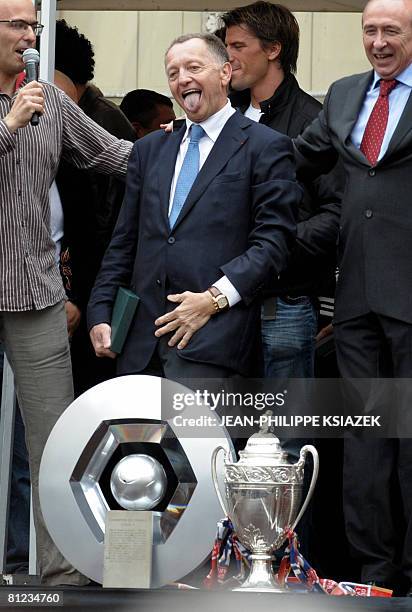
[249, 60]
[164, 114]
[13, 41]
[197, 80]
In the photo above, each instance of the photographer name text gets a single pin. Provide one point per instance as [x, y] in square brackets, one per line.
[263, 420]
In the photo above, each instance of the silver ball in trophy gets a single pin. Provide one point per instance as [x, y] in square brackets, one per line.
[119, 417]
[138, 482]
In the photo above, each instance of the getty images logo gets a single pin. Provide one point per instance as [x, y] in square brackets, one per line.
[224, 399]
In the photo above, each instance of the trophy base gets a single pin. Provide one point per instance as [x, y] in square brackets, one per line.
[261, 578]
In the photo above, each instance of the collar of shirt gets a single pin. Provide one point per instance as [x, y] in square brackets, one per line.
[214, 124]
[19, 81]
[405, 77]
[397, 101]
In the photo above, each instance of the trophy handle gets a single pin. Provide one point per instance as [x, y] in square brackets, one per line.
[308, 448]
[214, 477]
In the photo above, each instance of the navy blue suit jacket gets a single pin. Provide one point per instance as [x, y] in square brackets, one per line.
[238, 220]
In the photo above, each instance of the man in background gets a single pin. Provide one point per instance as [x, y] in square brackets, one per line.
[75, 58]
[91, 201]
[17, 553]
[366, 123]
[263, 43]
[262, 40]
[147, 110]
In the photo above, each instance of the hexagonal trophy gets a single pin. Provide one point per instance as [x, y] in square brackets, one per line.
[112, 450]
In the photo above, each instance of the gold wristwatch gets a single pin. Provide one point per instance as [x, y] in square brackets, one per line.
[220, 301]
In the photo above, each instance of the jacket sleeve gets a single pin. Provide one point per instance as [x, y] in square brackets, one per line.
[313, 260]
[275, 196]
[318, 233]
[314, 151]
[87, 145]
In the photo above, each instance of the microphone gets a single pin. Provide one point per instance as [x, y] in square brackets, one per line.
[31, 59]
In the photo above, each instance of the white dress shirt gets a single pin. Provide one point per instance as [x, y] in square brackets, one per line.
[253, 113]
[212, 126]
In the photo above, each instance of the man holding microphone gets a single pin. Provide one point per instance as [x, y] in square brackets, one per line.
[32, 315]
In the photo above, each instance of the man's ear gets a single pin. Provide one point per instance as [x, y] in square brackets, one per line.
[139, 129]
[273, 50]
[226, 73]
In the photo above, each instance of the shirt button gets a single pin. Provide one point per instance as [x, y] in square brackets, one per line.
[372, 172]
[368, 213]
[171, 240]
[158, 282]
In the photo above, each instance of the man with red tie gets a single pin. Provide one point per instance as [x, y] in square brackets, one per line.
[366, 121]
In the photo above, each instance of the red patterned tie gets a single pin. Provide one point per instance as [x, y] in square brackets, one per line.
[377, 122]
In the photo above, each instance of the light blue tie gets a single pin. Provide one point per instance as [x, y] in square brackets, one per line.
[188, 173]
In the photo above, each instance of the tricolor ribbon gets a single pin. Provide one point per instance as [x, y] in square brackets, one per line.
[293, 561]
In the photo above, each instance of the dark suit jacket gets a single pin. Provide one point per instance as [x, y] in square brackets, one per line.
[375, 237]
[238, 220]
[311, 269]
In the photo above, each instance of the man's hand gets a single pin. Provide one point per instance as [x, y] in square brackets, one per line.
[325, 332]
[100, 335]
[168, 127]
[73, 316]
[194, 311]
[29, 100]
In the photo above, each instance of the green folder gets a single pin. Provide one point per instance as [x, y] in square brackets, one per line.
[122, 317]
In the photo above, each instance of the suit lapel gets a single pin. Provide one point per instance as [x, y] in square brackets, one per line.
[230, 139]
[404, 126]
[167, 161]
[350, 113]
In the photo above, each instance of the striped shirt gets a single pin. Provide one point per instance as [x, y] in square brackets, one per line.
[29, 158]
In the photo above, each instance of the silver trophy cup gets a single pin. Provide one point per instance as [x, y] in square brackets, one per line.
[263, 493]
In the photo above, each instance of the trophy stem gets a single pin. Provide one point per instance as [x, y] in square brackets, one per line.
[261, 576]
